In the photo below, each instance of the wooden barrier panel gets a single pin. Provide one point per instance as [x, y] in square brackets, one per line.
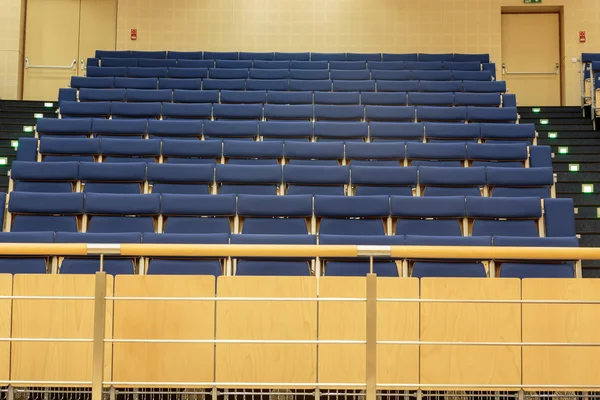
[266, 320]
[5, 317]
[561, 323]
[339, 320]
[56, 361]
[470, 322]
[156, 319]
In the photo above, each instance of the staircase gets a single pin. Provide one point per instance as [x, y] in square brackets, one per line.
[576, 162]
[17, 119]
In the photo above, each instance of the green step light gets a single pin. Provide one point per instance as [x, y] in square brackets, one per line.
[3, 160]
[28, 129]
[14, 143]
[587, 188]
[38, 115]
[48, 105]
[574, 167]
[536, 110]
[544, 121]
[552, 135]
[563, 150]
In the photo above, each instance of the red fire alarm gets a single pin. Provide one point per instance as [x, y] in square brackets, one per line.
[134, 34]
[581, 36]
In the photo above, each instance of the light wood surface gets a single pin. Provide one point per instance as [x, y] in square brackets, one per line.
[470, 322]
[56, 361]
[97, 28]
[5, 317]
[563, 323]
[339, 320]
[164, 362]
[266, 320]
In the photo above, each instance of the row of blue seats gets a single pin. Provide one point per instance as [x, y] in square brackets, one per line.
[260, 97]
[109, 62]
[351, 216]
[80, 82]
[241, 177]
[210, 151]
[306, 112]
[302, 56]
[286, 130]
[294, 74]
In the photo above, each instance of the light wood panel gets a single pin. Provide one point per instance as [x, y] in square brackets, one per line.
[266, 320]
[563, 323]
[345, 363]
[470, 322]
[180, 320]
[97, 28]
[5, 319]
[56, 361]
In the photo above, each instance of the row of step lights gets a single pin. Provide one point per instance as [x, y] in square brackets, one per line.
[27, 129]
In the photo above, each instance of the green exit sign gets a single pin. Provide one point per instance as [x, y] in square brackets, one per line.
[531, 1]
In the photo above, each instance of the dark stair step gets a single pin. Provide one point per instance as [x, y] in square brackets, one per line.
[584, 226]
[587, 134]
[21, 115]
[555, 121]
[6, 124]
[576, 158]
[587, 212]
[582, 177]
[581, 199]
[574, 150]
[568, 142]
[563, 128]
[26, 103]
[550, 109]
[571, 115]
[589, 270]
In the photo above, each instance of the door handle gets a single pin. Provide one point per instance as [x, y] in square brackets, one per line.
[83, 68]
[555, 72]
[27, 65]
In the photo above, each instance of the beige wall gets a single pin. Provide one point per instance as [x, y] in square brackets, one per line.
[12, 14]
[401, 26]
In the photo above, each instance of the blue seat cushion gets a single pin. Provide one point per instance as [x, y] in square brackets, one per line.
[518, 270]
[115, 266]
[448, 270]
[272, 268]
[360, 268]
[159, 266]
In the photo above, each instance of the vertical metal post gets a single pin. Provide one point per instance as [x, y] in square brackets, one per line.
[371, 350]
[99, 327]
[10, 392]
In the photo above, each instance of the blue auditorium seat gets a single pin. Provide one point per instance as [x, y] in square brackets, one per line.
[383, 180]
[424, 269]
[274, 130]
[184, 55]
[297, 85]
[252, 153]
[81, 110]
[221, 55]
[328, 56]
[195, 64]
[478, 99]
[383, 98]
[28, 149]
[224, 84]
[130, 150]
[233, 64]
[424, 65]
[375, 154]
[436, 57]
[398, 131]
[436, 154]
[397, 86]
[353, 85]
[19, 265]
[268, 268]
[310, 153]
[31, 176]
[471, 75]
[326, 130]
[112, 177]
[195, 96]
[155, 63]
[442, 114]
[264, 84]
[108, 72]
[121, 213]
[399, 57]
[136, 110]
[437, 86]
[274, 215]
[430, 75]
[277, 97]
[390, 75]
[309, 74]
[347, 98]
[79, 82]
[352, 215]
[160, 54]
[66, 127]
[497, 155]
[462, 65]
[238, 111]
[559, 217]
[367, 240]
[181, 178]
[350, 75]
[509, 100]
[228, 73]
[149, 95]
[360, 268]
[246, 55]
[136, 83]
[230, 129]
[430, 99]
[491, 114]
[276, 64]
[439, 181]
[175, 129]
[363, 56]
[484, 87]
[428, 216]
[510, 132]
[292, 56]
[186, 213]
[45, 212]
[102, 95]
[191, 151]
[528, 182]
[299, 64]
[502, 216]
[308, 179]
[389, 113]
[248, 179]
[72, 149]
[540, 156]
[119, 128]
[386, 65]
[440, 131]
[480, 58]
[288, 112]
[186, 73]
[137, 72]
[347, 65]
[256, 73]
[246, 238]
